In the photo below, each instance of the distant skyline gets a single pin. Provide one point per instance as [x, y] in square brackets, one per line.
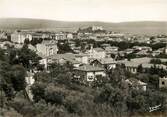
[86, 10]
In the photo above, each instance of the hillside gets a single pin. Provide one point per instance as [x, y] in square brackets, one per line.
[144, 27]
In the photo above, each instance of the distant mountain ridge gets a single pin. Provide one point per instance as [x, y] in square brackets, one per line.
[143, 27]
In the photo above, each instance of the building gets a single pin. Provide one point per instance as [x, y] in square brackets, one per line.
[88, 73]
[136, 84]
[72, 44]
[75, 59]
[107, 63]
[3, 35]
[37, 36]
[83, 58]
[47, 48]
[5, 44]
[111, 50]
[96, 53]
[32, 48]
[165, 50]
[69, 36]
[20, 37]
[163, 82]
[145, 48]
[133, 64]
[94, 28]
[60, 36]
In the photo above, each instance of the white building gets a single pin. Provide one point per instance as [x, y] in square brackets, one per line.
[96, 53]
[88, 73]
[94, 28]
[163, 82]
[136, 84]
[47, 48]
[20, 37]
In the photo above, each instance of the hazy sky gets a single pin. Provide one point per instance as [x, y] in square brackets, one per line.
[86, 10]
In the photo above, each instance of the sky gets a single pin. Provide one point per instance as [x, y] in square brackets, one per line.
[86, 10]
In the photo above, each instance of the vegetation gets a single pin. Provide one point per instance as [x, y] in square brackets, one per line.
[155, 61]
[57, 94]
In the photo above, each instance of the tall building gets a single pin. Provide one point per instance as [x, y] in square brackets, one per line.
[47, 48]
[20, 37]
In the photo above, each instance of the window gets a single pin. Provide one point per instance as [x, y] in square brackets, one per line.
[90, 78]
[51, 51]
[163, 83]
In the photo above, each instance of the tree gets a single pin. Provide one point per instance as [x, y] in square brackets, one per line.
[2, 55]
[18, 75]
[155, 61]
[117, 76]
[38, 91]
[140, 68]
[54, 95]
[115, 97]
[28, 58]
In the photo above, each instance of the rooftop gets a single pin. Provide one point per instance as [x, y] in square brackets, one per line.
[133, 81]
[48, 42]
[88, 68]
[98, 49]
[106, 60]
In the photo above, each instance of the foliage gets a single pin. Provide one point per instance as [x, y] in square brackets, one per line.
[64, 47]
[18, 77]
[140, 68]
[155, 61]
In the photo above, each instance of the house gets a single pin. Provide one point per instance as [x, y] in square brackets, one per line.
[20, 37]
[37, 35]
[71, 44]
[142, 53]
[60, 36]
[3, 36]
[165, 50]
[60, 59]
[107, 63]
[32, 48]
[156, 52]
[136, 84]
[142, 48]
[69, 36]
[18, 46]
[105, 45]
[111, 50]
[133, 64]
[6, 44]
[76, 50]
[129, 51]
[47, 48]
[163, 82]
[83, 58]
[96, 53]
[88, 73]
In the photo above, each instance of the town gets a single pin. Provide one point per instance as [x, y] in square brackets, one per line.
[88, 72]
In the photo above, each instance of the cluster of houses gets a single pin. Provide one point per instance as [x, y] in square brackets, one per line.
[20, 36]
[93, 62]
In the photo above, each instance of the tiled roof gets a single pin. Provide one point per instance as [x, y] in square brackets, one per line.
[61, 56]
[133, 81]
[68, 57]
[48, 42]
[89, 68]
[106, 60]
[98, 49]
[143, 63]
